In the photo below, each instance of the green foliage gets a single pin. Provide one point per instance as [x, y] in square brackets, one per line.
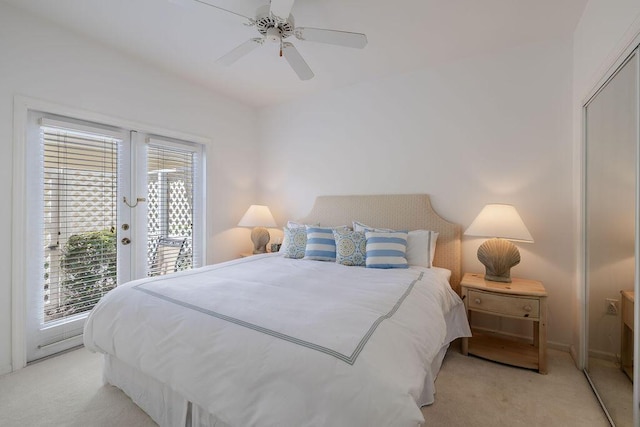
[88, 270]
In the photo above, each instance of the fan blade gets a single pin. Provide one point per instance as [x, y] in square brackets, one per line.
[281, 8]
[340, 38]
[296, 61]
[244, 19]
[240, 51]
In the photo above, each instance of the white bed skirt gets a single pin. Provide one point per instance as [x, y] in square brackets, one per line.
[169, 408]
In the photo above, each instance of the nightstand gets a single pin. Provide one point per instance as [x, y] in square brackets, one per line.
[626, 339]
[520, 299]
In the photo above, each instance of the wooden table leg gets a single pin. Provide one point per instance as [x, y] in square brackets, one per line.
[465, 340]
[542, 337]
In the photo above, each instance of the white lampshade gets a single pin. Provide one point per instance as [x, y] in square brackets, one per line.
[257, 216]
[498, 220]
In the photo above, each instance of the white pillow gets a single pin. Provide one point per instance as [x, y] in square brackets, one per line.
[358, 226]
[421, 244]
[421, 247]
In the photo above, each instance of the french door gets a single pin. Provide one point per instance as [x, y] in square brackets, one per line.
[105, 206]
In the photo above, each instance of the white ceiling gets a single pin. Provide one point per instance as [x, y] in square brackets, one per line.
[186, 37]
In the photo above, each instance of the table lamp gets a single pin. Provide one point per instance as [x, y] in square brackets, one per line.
[258, 217]
[498, 254]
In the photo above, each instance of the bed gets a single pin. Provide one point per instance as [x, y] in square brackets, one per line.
[272, 341]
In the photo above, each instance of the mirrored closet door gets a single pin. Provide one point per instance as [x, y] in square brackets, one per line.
[611, 168]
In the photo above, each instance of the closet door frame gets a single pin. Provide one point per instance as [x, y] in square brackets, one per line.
[618, 56]
[584, 274]
[21, 107]
[632, 53]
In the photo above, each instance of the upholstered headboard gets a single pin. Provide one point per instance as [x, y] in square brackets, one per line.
[398, 212]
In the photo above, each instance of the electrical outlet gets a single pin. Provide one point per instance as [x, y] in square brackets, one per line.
[612, 306]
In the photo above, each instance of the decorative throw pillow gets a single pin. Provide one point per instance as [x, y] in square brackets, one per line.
[321, 246]
[285, 241]
[421, 247]
[351, 247]
[296, 242]
[386, 249]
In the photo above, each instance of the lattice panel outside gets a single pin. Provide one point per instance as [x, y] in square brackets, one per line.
[90, 208]
[153, 215]
[153, 218]
[180, 209]
[181, 218]
[170, 215]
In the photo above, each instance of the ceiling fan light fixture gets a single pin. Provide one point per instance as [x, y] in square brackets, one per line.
[274, 35]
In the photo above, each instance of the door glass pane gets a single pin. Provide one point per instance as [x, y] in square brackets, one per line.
[170, 178]
[79, 217]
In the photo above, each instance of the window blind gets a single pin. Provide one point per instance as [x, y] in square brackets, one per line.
[79, 180]
[172, 173]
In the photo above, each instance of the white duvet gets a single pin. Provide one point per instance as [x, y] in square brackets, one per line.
[272, 341]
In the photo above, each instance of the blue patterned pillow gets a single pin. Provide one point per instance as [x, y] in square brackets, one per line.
[321, 246]
[296, 242]
[386, 249]
[285, 241]
[351, 247]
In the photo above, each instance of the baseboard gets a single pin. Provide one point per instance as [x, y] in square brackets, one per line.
[611, 357]
[6, 369]
[574, 356]
[559, 346]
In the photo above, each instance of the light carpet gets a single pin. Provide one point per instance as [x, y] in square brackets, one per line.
[615, 389]
[67, 390]
[475, 392]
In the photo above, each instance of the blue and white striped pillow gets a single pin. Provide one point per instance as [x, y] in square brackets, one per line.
[321, 245]
[386, 249]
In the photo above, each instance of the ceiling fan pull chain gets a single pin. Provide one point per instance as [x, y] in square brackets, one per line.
[280, 48]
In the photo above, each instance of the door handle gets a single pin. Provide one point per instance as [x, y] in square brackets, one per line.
[125, 240]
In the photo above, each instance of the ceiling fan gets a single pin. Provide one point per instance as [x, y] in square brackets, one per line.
[275, 23]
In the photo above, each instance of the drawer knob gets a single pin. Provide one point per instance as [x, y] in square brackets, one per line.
[527, 308]
[477, 301]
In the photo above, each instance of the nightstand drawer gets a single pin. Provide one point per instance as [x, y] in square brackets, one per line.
[504, 304]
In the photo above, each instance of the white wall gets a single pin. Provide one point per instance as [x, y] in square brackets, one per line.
[606, 29]
[42, 61]
[485, 129]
